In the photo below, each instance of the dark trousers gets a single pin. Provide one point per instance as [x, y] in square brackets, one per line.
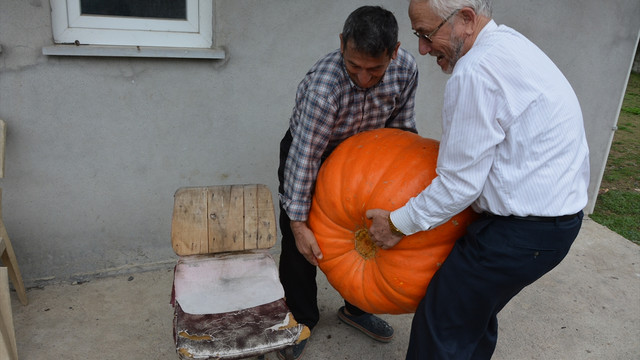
[487, 267]
[297, 275]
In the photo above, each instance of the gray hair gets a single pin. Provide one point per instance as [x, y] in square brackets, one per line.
[445, 7]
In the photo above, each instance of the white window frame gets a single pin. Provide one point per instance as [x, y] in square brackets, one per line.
[70, 27]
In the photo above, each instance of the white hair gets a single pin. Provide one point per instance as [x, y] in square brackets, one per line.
[445, 7]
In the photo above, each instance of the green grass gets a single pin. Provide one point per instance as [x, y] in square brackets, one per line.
[618, 204]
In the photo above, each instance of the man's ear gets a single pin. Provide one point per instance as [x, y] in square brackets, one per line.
[394, 55]
[341, 44]
[469, 19]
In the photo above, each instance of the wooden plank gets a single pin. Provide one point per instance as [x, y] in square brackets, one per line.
[8, 348]
[235, 223]
[223, 218]
[189, 230]
[266, 218]
[8, 258]
[250, 217]
[217, 202]
[226, 223]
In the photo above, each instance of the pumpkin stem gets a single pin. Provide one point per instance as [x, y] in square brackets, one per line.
[364, 245]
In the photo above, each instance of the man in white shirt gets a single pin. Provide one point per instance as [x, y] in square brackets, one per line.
[514, 148]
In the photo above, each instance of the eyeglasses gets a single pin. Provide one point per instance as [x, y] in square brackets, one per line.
[428, 36]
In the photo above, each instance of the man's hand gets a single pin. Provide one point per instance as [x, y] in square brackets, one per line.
[306, 242]
[380, 231]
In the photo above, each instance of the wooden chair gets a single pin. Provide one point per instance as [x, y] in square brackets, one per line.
[7, 255]
[227, 297]
[8, 348]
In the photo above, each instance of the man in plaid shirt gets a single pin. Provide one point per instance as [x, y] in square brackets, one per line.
[369, 83]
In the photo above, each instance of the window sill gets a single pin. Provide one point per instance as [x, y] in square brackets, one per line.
[133, 51]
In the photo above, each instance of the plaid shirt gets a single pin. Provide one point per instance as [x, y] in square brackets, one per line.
[330, 108]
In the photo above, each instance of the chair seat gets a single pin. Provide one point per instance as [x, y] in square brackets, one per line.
[231, 306]
[219, 283]
[237, 334]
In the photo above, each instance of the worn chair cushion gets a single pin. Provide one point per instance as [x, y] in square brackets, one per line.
[231, 306]
[236, 334]
[219, 283]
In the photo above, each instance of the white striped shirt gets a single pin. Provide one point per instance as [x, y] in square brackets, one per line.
[513, 139]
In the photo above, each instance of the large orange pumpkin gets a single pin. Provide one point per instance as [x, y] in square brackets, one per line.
[379, 169]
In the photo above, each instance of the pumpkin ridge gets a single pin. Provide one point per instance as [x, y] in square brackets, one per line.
[400, 278]
[385, 289]
[355, 186]
[402, 178]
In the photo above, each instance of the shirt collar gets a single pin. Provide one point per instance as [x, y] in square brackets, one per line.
[488, 28]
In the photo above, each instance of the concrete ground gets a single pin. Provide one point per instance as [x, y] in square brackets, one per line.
[586, 308]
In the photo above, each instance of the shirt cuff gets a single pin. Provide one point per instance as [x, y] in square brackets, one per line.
[296, 211]
[402, 220]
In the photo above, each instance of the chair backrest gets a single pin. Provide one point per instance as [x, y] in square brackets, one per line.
[222, 218]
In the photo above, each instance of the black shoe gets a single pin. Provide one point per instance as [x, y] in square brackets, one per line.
[369, 324]
[298, 349]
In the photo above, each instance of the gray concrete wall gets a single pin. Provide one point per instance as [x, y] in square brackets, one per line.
[96, 147]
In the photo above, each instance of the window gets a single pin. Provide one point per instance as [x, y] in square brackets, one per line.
[136, 23]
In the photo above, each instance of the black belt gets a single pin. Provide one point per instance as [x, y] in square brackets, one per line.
[533, 218]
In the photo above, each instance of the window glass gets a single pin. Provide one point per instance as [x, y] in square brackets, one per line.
[163, 9]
